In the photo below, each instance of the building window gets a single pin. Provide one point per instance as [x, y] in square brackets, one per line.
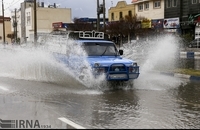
[168, 3]
[171, 3]
[140, 7]
[174, 3]
[120, 15]
[28, 18]
[130, 13]
[194, 1]
[112, 16]
[146, 6]
[157, 4]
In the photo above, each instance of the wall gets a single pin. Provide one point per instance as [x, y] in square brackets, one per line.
[45, 18]
[7, 31]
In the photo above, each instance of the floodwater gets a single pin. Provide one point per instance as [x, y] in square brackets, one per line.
[154, 101]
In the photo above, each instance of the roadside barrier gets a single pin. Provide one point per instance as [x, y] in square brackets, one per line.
[190, 54]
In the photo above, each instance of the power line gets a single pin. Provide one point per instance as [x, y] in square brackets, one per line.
[12, 4]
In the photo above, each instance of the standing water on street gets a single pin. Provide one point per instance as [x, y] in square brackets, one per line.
[154, 101]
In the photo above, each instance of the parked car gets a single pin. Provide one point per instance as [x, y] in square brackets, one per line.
[103, 57]
[195, 43]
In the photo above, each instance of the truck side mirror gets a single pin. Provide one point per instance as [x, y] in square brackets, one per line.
[121, 52]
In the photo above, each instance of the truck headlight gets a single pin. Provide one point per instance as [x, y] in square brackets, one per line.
[133, 68]
[96, 64]
[134, 64]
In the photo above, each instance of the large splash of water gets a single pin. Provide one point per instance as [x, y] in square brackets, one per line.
[37, 63]
[154, 56]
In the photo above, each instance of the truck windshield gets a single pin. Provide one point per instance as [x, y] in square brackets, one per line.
[100, 49]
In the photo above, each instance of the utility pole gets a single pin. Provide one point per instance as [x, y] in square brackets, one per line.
[98, 15]
[15, 26]
[3, 24]
[35, 23]
[100, 10]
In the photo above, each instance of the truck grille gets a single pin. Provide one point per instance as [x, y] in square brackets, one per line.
[117, 68]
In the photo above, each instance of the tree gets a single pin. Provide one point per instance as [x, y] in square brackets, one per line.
[132, 25]
[11, 36]
[125, 27]
[113, 30]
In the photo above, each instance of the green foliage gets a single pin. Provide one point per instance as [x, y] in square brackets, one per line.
[188, 71]
[125, 26]
[185, 40]
[187, 37]
[18, 40]
[11, 36]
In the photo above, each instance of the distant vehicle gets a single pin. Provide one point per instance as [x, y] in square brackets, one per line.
[103, 57]
[195, 43]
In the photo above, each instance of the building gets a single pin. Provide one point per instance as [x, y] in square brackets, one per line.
[7, 23]
[149, 13]
[120, 11]
[150, 10]
[188, 14]
[24, 18]
[80, 24]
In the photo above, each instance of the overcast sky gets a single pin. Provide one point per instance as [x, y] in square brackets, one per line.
[80, 8]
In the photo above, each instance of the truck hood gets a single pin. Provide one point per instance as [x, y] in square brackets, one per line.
[108, 60]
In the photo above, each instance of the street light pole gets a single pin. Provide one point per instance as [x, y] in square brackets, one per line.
[104, 17]
[35, 23]
[3, 23]
[15, 26]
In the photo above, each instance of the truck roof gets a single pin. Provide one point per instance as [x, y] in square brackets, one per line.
[97, 41]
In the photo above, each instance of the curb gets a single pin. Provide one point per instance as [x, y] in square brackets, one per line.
[178, 75]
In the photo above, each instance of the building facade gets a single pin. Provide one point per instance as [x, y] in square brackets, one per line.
[120, 11]
[152, 11]
[45, 17]
[7, 23]
[188, 13]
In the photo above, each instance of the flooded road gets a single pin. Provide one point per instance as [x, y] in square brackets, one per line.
[34, 87]
[174, 106]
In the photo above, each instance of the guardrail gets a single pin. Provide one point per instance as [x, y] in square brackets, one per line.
[190, 54]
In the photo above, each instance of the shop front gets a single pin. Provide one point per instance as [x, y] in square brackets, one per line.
[172, 25]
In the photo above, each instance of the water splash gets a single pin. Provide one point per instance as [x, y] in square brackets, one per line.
[154, 56]
[77, 63]
[37, 63]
